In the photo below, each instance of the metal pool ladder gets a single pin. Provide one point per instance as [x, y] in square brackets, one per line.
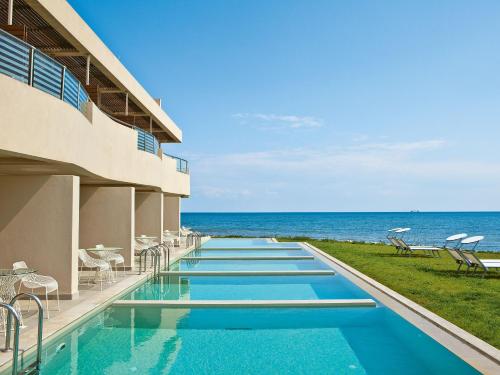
[11, 312]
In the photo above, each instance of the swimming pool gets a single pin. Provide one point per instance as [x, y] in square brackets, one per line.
[249, 341]
[250, 265]
[215, 243]
[158, 340]
[248, 288]
[241, 244]
[233, 253]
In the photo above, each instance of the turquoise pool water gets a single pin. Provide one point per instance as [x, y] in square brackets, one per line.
[251, 265]
[248, 288]
[249, 341]
[242, 243]
[152, 340]
[234, 253]
[237, 242]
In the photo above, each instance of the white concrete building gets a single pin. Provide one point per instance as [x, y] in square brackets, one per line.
[80, 155]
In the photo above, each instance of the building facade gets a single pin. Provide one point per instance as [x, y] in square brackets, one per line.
[81, 161]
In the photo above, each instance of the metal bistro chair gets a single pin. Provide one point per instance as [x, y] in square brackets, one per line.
[34, 281]
[103, 269]
[110, 256]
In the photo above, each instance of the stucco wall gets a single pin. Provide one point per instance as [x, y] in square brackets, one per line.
[39, 218]
[171, 213]
[107, 216]
[38, 125]
[149, 214]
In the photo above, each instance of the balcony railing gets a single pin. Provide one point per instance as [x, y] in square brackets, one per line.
[147, 141]
[25, 63]
[182, 164]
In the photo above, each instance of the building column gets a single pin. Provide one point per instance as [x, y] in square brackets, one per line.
[107, 216]
[39, 218]
[149, 214]
[171, 213]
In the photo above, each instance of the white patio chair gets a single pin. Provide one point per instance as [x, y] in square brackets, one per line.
[34, 281]
[103, 269]
[139, 246]
[171, 237]
[110, 256]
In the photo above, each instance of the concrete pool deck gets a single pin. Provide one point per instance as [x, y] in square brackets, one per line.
[478, 353]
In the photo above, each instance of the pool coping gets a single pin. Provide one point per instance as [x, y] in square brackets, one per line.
[362, 302]
[473, 342]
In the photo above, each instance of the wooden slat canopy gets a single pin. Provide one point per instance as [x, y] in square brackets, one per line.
[35, 30]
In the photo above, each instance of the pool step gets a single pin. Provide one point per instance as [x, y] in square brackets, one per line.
[271, 257]
[248, 303]
[247, 273]
[253, 248]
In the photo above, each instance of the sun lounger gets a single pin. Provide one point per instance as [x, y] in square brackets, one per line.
[453, 250]
[410, 249]
[394, 235]
[471, 259]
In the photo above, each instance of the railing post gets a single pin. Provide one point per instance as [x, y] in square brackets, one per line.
[40, 324]
[31, 66]
[78, 96]
[11, 312]
[63, 74]
[168, 258]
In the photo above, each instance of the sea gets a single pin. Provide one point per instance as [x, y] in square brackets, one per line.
[428, 228]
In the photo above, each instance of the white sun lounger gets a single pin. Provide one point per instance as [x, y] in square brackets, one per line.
[471, 259]
[435, 250]
[394, 235]
[453, 251]
[409, 249]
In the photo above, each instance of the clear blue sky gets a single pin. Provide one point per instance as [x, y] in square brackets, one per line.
[321, 105]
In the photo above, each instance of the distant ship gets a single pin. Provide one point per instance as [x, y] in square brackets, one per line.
[415, 211]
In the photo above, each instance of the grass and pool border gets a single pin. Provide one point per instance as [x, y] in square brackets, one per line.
[476, 352]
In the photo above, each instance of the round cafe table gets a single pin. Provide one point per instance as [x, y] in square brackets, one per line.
[8, 279]
[109, 249]
[103, 251]
[147, 240]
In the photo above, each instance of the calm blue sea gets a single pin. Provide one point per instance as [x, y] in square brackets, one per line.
[427, 227]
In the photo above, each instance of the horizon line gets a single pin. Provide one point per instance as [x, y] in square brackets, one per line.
[334, 212]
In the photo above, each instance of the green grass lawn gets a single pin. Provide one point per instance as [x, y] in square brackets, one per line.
[469, 301]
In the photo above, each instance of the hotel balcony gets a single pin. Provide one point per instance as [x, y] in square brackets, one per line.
[82, 145]
[50, 125]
